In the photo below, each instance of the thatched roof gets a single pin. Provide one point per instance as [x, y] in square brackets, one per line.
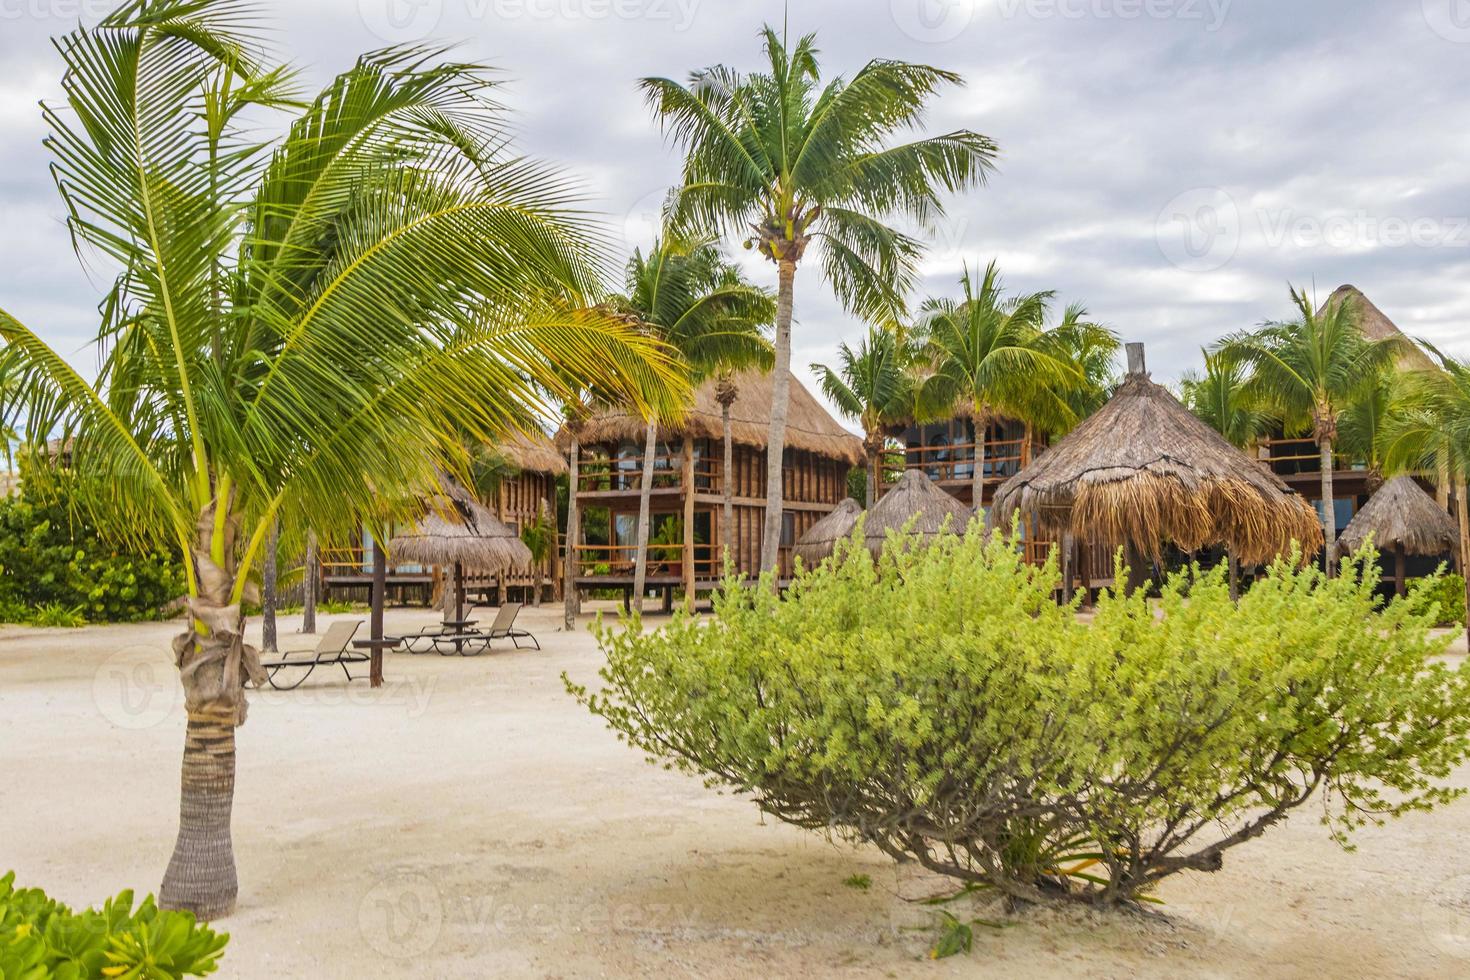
[1376, 325]
[822, 537]
[1143, 470]
[533, 453]
[808, 424]
[914, 496]
[1401, 513]
[458, 529]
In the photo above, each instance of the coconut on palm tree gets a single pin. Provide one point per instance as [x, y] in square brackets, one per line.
[296, 332]
[987, 357]
[871, 385]
[789, 163]
[685, 293]
[1305, 371]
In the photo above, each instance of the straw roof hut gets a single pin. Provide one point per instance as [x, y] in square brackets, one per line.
[458, 532]
[821, 538]
[914, 497]
[1401, 516]
[1376, 325]
[809, 427]
[1143, 471]
[532, 452]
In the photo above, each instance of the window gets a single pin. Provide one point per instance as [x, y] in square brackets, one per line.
[788, 529]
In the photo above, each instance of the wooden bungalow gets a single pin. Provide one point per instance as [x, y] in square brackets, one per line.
[944, 451]
[687, 533]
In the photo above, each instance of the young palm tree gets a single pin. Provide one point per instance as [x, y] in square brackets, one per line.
[873, 386]
[1363, 426]
[1092, 349]
[539, 537]
[297, 332]
[988, 356]
[687, 295]
[787, 162]
[1306, 371]
[1220, 398]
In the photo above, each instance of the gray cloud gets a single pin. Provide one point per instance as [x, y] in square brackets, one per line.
[1332, 130]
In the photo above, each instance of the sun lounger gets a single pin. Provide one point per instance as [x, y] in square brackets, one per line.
[333, 649]
[504, 626]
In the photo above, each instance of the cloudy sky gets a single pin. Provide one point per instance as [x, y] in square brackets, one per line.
[1174, 164]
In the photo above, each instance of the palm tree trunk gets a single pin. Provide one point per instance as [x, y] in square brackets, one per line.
[872, 483]
[1329, 511]
[201, 874]
[727, 482]
[570, 603]
[310, 580]
[780, 394]
[1462, 515]
[645, 490]
[977, 478]
[268, 596]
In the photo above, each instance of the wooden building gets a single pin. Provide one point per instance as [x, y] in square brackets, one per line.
[944, 451]
[687, 536]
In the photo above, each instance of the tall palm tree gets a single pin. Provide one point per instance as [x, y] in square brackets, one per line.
[1431, 429]
[297, 331]
[1306, 371]
[786, 161]
[1221, 399]
[871, 385]
[1364, 424]
[727, 392]
[989, 358]
[1092, 349]
[685, 293]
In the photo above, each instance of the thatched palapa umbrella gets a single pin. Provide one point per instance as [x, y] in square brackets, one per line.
[914, 498]
[1143, 471]
[458, 532]
[821, 538]
[1401, 518]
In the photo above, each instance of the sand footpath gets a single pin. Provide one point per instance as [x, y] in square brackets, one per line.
[469, 819]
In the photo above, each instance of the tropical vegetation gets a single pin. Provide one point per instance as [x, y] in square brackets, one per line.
[940, 705]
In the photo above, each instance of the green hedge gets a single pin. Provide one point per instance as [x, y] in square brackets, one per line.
[40, 937]
[50, 556]
[941, 706]
[1446, 595]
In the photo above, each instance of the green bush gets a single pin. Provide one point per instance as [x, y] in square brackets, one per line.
[940, 705]
[50, 556]
[40, 937]
[1445, 594]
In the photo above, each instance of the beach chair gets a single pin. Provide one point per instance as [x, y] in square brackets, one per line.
[504, 627]
[333, 649]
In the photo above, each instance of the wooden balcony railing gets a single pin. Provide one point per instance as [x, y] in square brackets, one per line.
[359, 561]
[597, 474]
[664, 560]
[1287, 457]
[1003, 457]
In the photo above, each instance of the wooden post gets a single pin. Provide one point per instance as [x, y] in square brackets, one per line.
[1068, 560]
[310, 582]
[1139, 568]
[688, 482]
[380, 588]
[1400, 568]
[499, 516]
[459, 604]
[1234, 568]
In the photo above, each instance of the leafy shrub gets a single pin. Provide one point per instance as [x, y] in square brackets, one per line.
[1445, 594]
[56, 614]
[50, 554]
[940, 705]
[40, 937]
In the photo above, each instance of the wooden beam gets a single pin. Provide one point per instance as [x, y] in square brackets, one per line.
[380, 588]
[688, 481]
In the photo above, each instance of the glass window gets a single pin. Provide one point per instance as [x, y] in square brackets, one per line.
[788, 529]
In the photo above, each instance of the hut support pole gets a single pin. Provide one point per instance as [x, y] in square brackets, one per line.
[1400, 569]
[1069, 561]
[687, 479]
[459, 604]
[380, 588]
[571, 604]
[1234, 566]
[1138, 568]
[310, 582]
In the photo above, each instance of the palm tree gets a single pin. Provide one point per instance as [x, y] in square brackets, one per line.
[1092, 349]
[685, 293]
[787, 162]
[1306, 371]
[296, 332]
[727, 392]
[1363, 426]
[1221, 399]
[1431, 429]
[539, 537]
[988, 357]
[872, 386]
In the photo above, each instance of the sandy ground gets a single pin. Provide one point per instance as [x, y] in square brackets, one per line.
[469, 819]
